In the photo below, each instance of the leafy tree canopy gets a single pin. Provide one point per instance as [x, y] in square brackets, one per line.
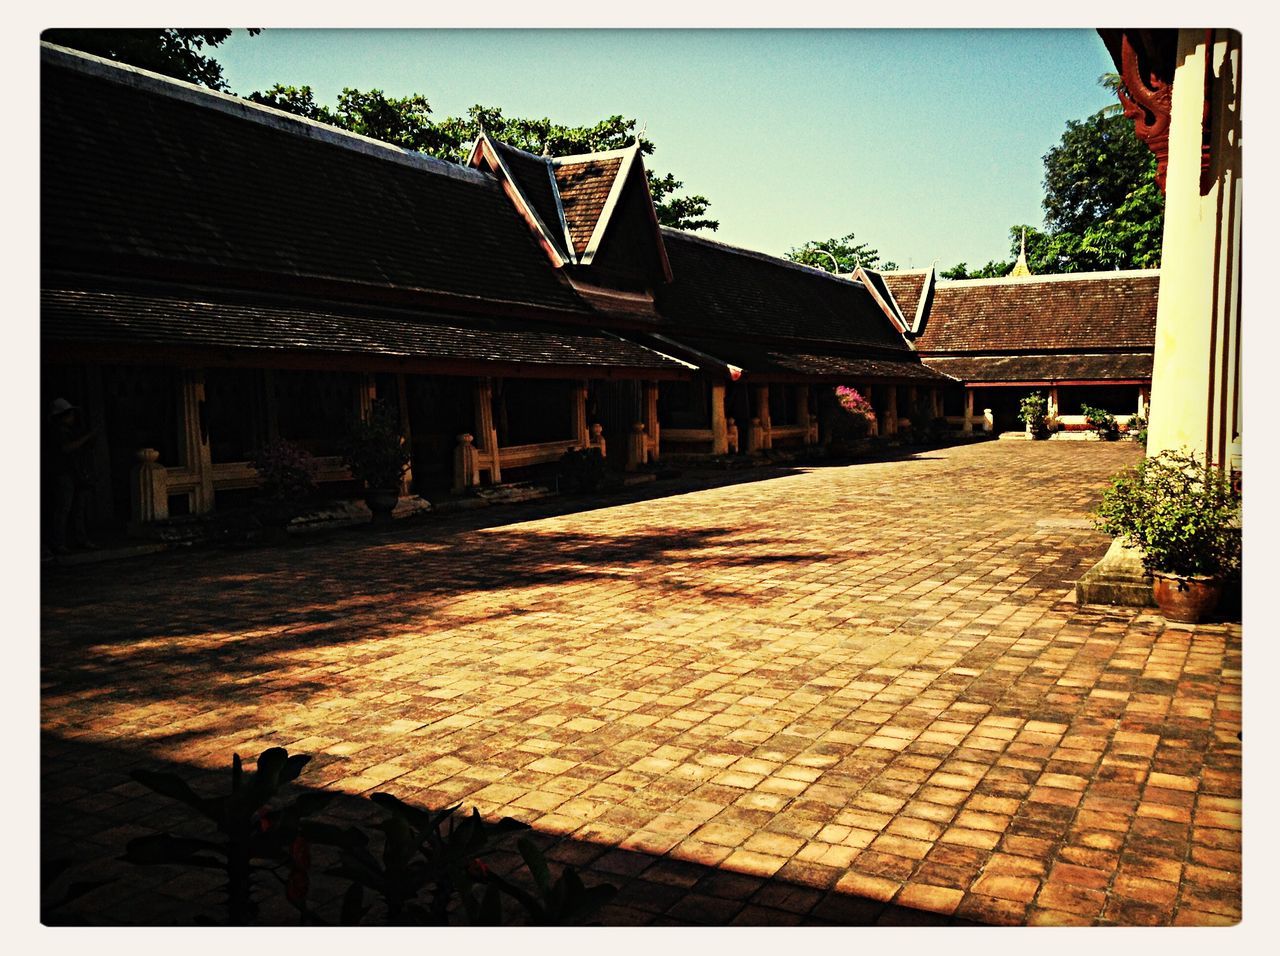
[407, 122]
[170, 51]
[847, 251]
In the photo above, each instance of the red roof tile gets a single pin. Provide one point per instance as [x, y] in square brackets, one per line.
[906, 288]
[1082, 312]
[584, 189]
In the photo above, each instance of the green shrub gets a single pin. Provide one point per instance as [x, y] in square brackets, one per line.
[1137, 429]
[1032, 412]
[375, 450]
[1101, 421]
[1181, 511]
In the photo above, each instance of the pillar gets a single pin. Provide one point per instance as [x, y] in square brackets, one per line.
[366, 395]
[1051, 409]
[1195, 381]
[891, 410]
[148, 489]
[810, 422]
[1142, 401]
[596, 440]
[988, 420]
[762, 414]
[650, 410]
[402, 400]
[731, 434]
[968, 411]
[578, 415]
[935, 403]
[195, 439]
[466, 464]
[719, 428]
[755, 436]
[486, 432]
[636, 447]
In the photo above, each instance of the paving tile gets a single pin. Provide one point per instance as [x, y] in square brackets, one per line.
[826, 708]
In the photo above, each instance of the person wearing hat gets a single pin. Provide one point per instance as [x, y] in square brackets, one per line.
[71, 475]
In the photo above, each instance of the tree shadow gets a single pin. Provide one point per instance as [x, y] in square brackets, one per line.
[90, 808]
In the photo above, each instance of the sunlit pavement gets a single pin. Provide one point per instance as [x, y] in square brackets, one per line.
[850, 694]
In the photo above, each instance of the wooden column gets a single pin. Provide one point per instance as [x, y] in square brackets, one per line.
[652, 429]
[148, 489]
[873, 424]
[486, 433]
[637, 450]
[194, 441]
[803, 417]
[719, 429]
[913, 398]
[891, 410]
[762, 415]
[578, 415]
[968, 411]
[1052, 410]
[366, 395]
[402, 399]
[466, 464]
[1142, 401]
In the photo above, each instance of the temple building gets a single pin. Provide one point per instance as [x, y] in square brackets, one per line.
[216, 273]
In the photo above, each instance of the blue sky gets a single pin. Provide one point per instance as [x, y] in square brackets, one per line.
[926, 143]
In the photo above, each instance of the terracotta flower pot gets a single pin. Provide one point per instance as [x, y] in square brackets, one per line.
[1186, 600]
[382, 501]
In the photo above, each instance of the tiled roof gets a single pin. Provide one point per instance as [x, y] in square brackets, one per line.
[1059, 367]
[906, 287]
[584, 189]
[151, 171]
[1112, 310]
[189, 319]
[759, 360]
[725, 292]
[533, 178]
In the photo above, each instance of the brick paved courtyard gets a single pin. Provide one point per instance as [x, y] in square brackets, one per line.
[851, 695]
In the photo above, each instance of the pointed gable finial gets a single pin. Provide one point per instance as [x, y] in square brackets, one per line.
[644, 126]
[1020, 268]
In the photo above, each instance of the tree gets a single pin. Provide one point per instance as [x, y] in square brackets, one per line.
[1091, 172]
[170, 51]
[407, 122]
[847, 252]
[992, 270]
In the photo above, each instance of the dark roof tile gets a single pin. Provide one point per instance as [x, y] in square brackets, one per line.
[1063, 367]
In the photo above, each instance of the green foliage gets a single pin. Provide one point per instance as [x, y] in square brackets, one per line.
[1101, 421]
[375, 450]
[407, 122]
[255, 838]
[1033, 412]
[1180, 510]
[169, 51]
[992, 270]
[1137, 429]
[287, 472]
[582, 470]
[426, 868]
[847, 252]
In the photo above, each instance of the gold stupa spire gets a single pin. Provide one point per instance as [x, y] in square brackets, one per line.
[1020, 268]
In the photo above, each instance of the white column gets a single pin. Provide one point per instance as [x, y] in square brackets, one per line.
[1195, 382]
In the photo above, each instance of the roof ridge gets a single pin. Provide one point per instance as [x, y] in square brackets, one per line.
[137, 78]
[1053, 277]
[845, 277]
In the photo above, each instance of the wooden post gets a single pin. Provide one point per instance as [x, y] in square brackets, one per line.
[652, 429]
[988, 420]
[194, 440]
[488, 435]
[1052, 410]
[148, 489]
[596, 439]
[466, 464]
[731, 434]
[719, 428]
[1142, 401]
[935, 402]
[891, 411]
[402, 399]
[762, 414]
[578, 415]
[967, 428]
[366, 395]
[636, 447]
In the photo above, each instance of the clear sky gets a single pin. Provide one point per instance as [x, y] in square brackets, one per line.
[926, 143]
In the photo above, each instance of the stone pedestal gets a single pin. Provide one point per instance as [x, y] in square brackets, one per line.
[1119, 578]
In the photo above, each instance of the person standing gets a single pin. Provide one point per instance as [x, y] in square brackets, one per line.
[71, 467]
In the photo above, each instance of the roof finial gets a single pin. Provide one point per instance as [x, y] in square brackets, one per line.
[1020, 268]
[644, 126]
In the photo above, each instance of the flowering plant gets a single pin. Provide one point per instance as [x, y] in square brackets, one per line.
[288, 472]
[858, 408]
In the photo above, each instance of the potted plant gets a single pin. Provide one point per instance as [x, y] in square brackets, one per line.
[1185, 517]
[377, 455]
[1101, 421]
[288, 476]
[1033, 412]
